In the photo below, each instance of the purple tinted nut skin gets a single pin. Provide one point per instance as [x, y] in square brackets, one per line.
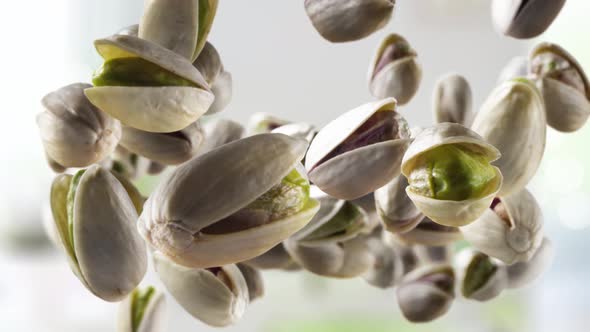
[524, 19]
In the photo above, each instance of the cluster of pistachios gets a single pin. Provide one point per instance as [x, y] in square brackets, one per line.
[363, 197]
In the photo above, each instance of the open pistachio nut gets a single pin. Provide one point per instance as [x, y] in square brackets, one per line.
[360, 151]
[426, 293]
[95, 219]
[515, 68]
[254, 281]
[181, 26]
[74, 132]
[260, 123]
[453, 100]
[511, 229]
[220, 81]
[429, 233]
[192, 217]
[218, 132]
[217, 296]
[276, 258]
[395, 70]
[524, 19]
[395, 209]
[144, 310]
[564, 86]
[513, 120]
[523, 273]
[348, 20]
[451, 179]
[480, 277]
[146, 86]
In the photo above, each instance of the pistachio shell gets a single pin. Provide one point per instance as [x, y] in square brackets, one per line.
[209, 64]
[74, 132]
[387, 267]
[190, 199]
[429, 233]
[254, 281]
[453, 100]
[428, 254]
[260, 123]
[482, 278]
[512, 241]
[524, 273]
[213, 300]
[298, 130]
[360, 171]
[276, 258]
[131, 30]
[348, 20]
[222, 88]
[218, 132]
[515, 68]
[153, 319]
[396, 210]
[524, 19]
[448, 212]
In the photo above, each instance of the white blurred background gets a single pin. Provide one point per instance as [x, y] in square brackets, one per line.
[282, 66]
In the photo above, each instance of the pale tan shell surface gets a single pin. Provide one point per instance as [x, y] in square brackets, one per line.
[218, 132]
[209, 63]
[524, 19]
[253, 279]
[276, 258]
[154, 316]
[453, 100]
[298, 130]
[329, 207]
[396, 210]
[387, 268]
[491, 288]
[524, 273]
[222, 88]
[430, 236]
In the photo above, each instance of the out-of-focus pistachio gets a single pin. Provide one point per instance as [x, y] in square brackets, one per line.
[360, 151]
[395, 70]
[260, 123]
[142, 311]
[74, 132]
[434, 254]
[429, 233]
[276, 258]
[523, 273]
[220, 81]
[387, 268]
[93, 210]
[524, 19]
[254, 281]
[131, 30]
[515, 68]
[298, 130]
[481, 277]
[396, 210]
[348, 20]
[218, 132]
[453, 100]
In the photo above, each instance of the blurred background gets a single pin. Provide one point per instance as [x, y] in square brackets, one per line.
[282, 66]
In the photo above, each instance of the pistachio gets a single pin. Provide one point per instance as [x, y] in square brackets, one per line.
[395, 70]
[523, 273]
[260, 123]
[450, 177]
[396, 210]
[453, 100]
[127, 163]
[515, 68]
[254, 281]
[348, 20]
[218, 132]
[429, 233]
[220, 81]
[193, 219]
[564, 86]
[146, 86]
[142, 311]
[74, 132]
[360, 151]
[276, 258]
[510, 230]
[434, 254]
[481, 277]
[524, 19]
[93, 209]
[298, 130]
[217, 296]
[131, 30]
[387, 267]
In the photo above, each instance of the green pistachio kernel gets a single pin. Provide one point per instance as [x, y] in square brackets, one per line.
[70, 204]
[347, 220]
[139, 302]
[478, 272]
[452, 172]
[135, 72]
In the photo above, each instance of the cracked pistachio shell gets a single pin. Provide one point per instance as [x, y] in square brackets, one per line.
[166, 148]
[448, 212]
[348, 20]
[195, 196]
[426, 293]
[395, 70]
[276, 258]
[364, 167]
[261, 123]
[511, 231]
[210, 65]
[153, 316]
[154, 109]
[524, 273]
[453, 100]
[181, 26]
[515, 68]
[387, 268]
[74, 132]
[218, 132]
[513, 120]
[254, 281]
[429, 233]
[95, 220]
[567, 107]
[397, 212]
[298, 130]
[480, 277]
[524, 19]
[217, 296]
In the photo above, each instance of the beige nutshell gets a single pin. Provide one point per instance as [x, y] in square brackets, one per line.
[524, 19]
[153, 318]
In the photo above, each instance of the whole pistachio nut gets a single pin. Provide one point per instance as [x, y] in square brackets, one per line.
[95, 219]
[298, 130]
[181, 26]
[195, 220]
[387, 268]
[511, 229]
[254, 281]
[429, 233]
[427, 254]
[210, 65]
[217, 296]
[348, 20]
[453, 100]
[564, 86]
[276, 258]
[218, 132]
[515, 68]
[260, 123]
[74, 132]
[360, 151]
[523, 273]
[480, 277]
[166, 148]
[451, 179]
[395, 209]
[144, 310]
[146, 86]
[513, 120]
[395, 70]
[524, 19]
[426, 293]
